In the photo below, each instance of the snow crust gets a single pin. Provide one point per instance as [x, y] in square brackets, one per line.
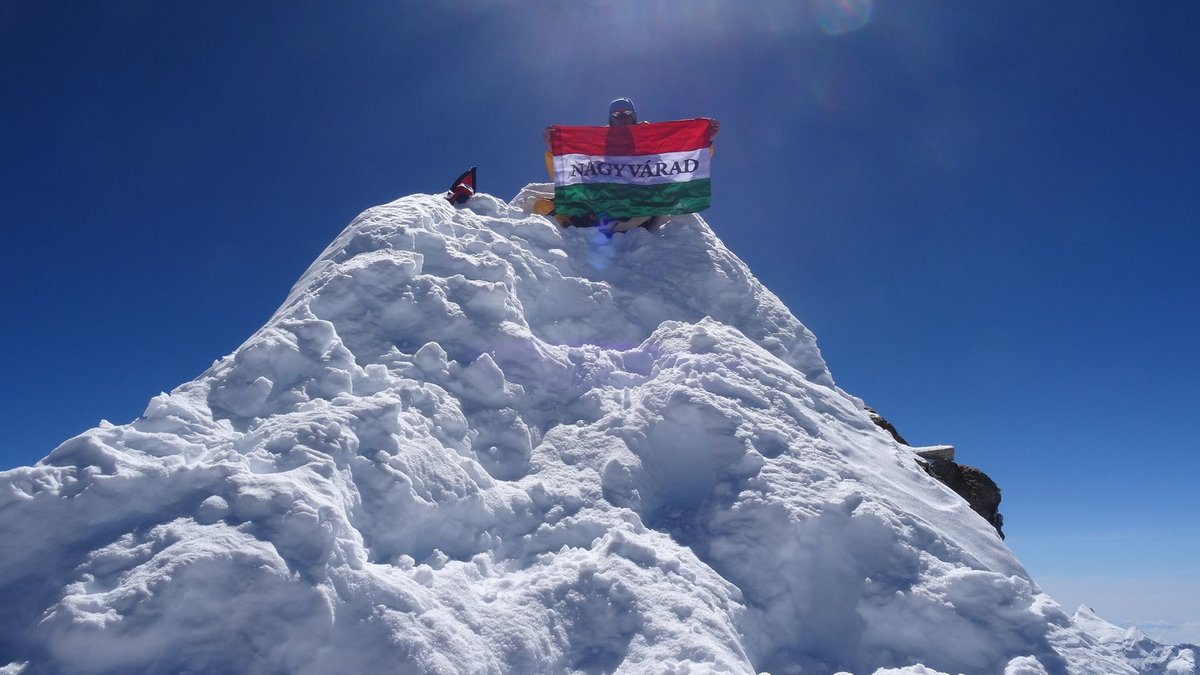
[471, 442]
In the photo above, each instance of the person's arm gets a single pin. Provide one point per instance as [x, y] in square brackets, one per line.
[549, 151]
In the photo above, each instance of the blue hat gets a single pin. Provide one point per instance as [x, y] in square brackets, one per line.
[621, 104]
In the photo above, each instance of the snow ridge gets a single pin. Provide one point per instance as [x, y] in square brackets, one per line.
[471, 442]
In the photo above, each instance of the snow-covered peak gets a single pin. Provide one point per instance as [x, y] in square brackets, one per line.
[562, 287]
[1088, 620]
[1145, 654]
[472, 442]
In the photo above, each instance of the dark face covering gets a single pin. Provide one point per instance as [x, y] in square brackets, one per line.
[622, 118]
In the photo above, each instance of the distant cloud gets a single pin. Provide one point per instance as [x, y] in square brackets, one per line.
[1168, 632]
[1163, 605]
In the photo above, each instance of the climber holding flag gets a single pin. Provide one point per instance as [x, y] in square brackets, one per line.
[629, 173]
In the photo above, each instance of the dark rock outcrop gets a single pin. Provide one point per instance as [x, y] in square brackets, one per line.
[885, 425]
[973, 485]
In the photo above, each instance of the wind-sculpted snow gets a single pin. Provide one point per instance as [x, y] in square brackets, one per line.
[471, 442]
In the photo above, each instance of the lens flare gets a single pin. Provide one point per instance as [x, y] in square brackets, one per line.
[837, 17]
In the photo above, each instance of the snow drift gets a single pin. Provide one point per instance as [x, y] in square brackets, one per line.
[471, 442]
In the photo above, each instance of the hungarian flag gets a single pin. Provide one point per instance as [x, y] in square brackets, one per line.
[639, 170]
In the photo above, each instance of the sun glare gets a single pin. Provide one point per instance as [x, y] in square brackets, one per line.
[842, 16]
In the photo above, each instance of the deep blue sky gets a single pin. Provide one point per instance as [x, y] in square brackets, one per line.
[987, 211]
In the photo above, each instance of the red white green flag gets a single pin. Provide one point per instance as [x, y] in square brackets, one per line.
[639, 170]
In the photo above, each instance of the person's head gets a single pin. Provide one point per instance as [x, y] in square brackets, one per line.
[621, 113]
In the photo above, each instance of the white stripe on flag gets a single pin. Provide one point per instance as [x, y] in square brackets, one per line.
[659, 169]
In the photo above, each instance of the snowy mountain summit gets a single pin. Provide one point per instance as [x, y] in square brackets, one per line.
[471, 442]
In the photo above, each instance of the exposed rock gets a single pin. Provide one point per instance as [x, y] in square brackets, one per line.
[973, 485]
[885, 425]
